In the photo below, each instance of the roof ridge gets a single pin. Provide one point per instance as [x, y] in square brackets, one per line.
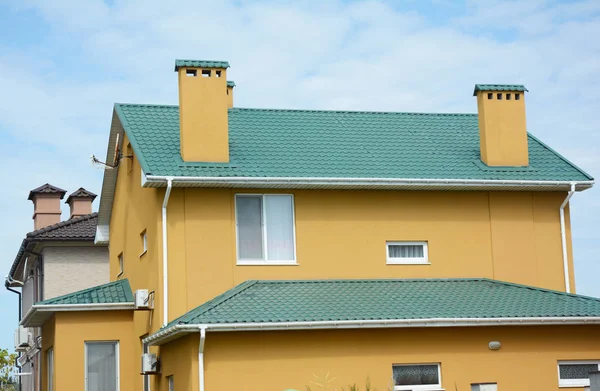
[61, 224]
[213, 303]
[124, 282]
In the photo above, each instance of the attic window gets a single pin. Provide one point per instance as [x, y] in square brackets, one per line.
[499, 96]
[206, 73]
[407, 253]
[191, 72]
[490, 95]
[517, 96]
[218, 73]
[508, 96]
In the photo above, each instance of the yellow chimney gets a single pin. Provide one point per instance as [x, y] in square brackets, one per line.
[203, 102]
[230, 85]
[502, 125]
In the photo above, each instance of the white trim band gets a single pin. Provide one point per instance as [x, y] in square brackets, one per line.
[174, 331]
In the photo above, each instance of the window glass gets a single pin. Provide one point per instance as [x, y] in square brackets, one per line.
[280, 227]
[101, 366]
[249, 223]
[416, 375]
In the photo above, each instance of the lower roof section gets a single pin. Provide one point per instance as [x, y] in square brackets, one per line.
[116, 295]
[313, 304]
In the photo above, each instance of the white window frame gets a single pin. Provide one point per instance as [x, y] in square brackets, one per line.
[407, 261]
[575, 382]
[265, 261]
[428, 387]
[50, 369]
[117, 358]
[144, 236]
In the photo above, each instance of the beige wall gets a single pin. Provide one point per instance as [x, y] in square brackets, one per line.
[68, 269]
[527, 360]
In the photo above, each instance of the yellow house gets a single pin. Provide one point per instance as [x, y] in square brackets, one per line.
[253, 249]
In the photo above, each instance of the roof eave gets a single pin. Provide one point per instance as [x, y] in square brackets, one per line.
[366, 183]
[39, 314]
[178, 331]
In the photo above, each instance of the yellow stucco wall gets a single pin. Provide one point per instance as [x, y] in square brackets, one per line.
[180, 360]
[68, 332]
[276, 361]
[502, 129]
[511, 236]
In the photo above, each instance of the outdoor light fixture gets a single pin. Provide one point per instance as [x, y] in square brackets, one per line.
[495, 345]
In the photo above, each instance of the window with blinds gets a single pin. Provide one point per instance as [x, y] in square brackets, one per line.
[407, 253]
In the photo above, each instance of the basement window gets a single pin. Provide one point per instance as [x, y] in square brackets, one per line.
[517, 96]
[407, 253]
[191, 72]
[206, 73]
[490, 96]
[499, 96]
[417, 377]
[576, 373]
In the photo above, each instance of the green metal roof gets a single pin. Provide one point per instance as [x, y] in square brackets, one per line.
[339, 300]
[499, 87]
[230, 83]
[114, 292]
[335, 144]
[200, 64]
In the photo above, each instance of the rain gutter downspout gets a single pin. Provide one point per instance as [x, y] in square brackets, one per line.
[201, 358]
[8, 288]
[165, 253]
[563, 237]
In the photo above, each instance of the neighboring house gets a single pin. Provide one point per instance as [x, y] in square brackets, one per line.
[265, 246]
[59, 257]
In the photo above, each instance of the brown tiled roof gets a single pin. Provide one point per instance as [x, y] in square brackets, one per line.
[80, 193]
[47, 189]
[77, 229]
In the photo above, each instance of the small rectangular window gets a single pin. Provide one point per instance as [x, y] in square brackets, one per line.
[508, 96]
[407, 253]
[576, 373]
[417, 377]
[101, 366]
[517, 96]
[50, 368]
[490, 95]
[144, 239]
[121, 265]
[499, 96]
[265, 229]
[171, 383]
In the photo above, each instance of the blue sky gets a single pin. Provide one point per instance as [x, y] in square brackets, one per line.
[63, 64]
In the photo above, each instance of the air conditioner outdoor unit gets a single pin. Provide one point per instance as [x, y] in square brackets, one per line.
[150, 364]
[22, 339]
[142, 300]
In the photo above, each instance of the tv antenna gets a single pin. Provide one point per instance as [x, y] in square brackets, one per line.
[115, 160]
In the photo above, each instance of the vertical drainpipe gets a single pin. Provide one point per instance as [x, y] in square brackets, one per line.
[563, 237]
[8, 288]
[165, 253]
[201, 358]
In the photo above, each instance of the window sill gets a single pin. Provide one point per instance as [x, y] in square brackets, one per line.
[266, 263]
[398, 262]
[573, 385]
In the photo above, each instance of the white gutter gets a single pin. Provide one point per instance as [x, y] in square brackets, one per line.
[165, 252]
[360, 181]
[563, 237]
[177, 330]
[201, 358]
[72, 308]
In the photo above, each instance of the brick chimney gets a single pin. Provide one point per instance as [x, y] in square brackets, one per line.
[502, 125]
[80, 202]
[46, 205]
[203, 103]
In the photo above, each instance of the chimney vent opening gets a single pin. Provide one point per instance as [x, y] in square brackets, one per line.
[217, 73]
[499, 96]
[517, 96]
[490, 96]
[206, 73]
[191, 72]
[508, 96]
